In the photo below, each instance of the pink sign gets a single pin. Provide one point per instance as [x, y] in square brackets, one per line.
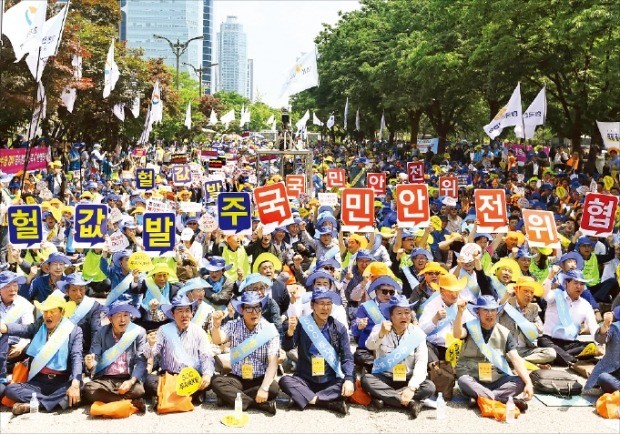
[12, 160]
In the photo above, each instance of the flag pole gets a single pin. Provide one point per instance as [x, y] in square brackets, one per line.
[38, 117]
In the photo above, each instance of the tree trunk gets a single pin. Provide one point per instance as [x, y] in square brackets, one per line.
[576, 130]
[414, 124]
[494, 106]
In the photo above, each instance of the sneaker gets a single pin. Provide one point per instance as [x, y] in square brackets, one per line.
[521, 405]
[20, 408]
[415, 408]
[377, 403]
[268, 407]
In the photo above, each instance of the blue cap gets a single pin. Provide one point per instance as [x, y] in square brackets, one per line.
[322, 293]
[251, 298]
[7, 277]
[384, 280]
[395, 301]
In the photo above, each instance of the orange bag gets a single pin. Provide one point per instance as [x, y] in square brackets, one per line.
[20, 375]
[114, 410]
[494, 409]
[167, 399]
[360, 396]
[607, 405]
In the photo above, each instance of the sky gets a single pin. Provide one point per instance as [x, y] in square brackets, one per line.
[278, 32]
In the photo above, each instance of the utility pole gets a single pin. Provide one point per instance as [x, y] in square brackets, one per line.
[178, 49]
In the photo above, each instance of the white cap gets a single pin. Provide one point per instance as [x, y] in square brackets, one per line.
[187, 234]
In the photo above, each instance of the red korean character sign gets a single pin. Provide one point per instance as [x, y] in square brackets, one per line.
[412, 208]
[491, 211]
[335, 178]
[358, 212]
[377, 182]
[272, 205]
[449, 186]
[295, 184]
[540, 229]
[599, 211]
[415, 170]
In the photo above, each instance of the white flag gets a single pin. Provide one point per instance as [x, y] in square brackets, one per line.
[274, 125]
[111, 73]
[533, 116]
[228, 118]
[68, 97]
[23, 26]
[346, 113]
[157, 106]
[42, 100]
[270, 120]
[51, 35]
[119, 111]
[382, 125]
[510, 115]
[77, 66]
[244, 117]
[331, 121]
[610, 131]
[213, 118]
[135, 107]
[316, 120]
[301, 123]
[34, 128]
[357, 120]
[188, 116]
[148, 127]
[303, 75]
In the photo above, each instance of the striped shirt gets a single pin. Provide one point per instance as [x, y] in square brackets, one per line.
[236, 332]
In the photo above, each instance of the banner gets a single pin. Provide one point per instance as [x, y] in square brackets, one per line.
[158, 234]
[89, 225]
[25, 226]
[425, 145]
[509, 115]
[449, 186]
[213, 188]
[335, 178]
[303, 75]
[415, 171]
[598, 218]
[412, 206]
[377, 182]
[534, 115]
[12, 160]
[234, 213]
[295, 185]
[358, 212]
[540, 229]
[329, 199]
[181, 175]
[272, 205]
[491, 211]
[610, 131]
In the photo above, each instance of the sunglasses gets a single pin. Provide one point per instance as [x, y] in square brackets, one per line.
[387, 291]
[252, 309]
[329, 268]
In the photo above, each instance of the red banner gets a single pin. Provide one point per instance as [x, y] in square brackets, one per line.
[12, 160]
[335, 178]
[449, 186]
[377, 182]
[415, 170]
[412, 207]
[599, 212]
[491, 211]
[540, 229]
[295, 184]
[358, 209]
[272, 204]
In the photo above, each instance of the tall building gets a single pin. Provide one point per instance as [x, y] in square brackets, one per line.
[232, 57]
[177, 20]
[207, 46]
[249, 91]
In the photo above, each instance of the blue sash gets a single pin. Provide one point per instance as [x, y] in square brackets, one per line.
[413, 282]
[119, 289]
[253, 343]
[16, 312]
[214, 306]
[450, 315]
[321, 344]
[110, 355]
[200, 316]
[83, 308]
[527, 328]
[471, 285]
[433, 296]
[406, 346]
[58, 339]
[496, 359]
[331, 253]
[499, 287]
[373, 311]
[153, 292]
[569, 327]
[170, 331]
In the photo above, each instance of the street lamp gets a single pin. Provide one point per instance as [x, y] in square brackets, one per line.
[178, 49]
[199, 72]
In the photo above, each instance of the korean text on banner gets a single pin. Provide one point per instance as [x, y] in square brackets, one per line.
[415, 171]
[12, 160]
[25, 226]
[295, 185]
[335, 178]
[272, 205]
[377, 182]
[449, 186]
[491, 211]
[540, 229]
[158, 234]
[358, 213]
[234, 211]
[412, 208]
[145, 179]
[599, 211]
[90, 225]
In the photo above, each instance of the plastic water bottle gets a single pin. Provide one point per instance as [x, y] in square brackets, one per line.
[238, 406]
[441, 407]
[510, 410]
[34, 403]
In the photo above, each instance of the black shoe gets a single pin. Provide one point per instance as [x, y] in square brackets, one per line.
[268, 407]
[378, 403]
[338, 407]
[198, 398]
[473, 403]
[140, 404]
[154, 404]
[415, 408]
[521, 404]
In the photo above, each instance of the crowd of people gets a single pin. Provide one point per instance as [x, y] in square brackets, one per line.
[321, 314]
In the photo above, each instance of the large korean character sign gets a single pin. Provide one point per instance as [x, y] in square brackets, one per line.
[415, 171]
[335, 178]
[25, 226]
[295, 185]
[540, 229]
[358, 212]
[599, 211]
[212, 188]
[234, 213]
[182, 174]
[449, 186]
[272, 205]
[491, 211]
[90, 225]
[412, 207]
[145, 179]
[377, 182]
[158, 233]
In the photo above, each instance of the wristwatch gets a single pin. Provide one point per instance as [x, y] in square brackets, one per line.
[264, 388]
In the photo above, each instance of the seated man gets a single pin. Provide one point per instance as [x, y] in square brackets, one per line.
[399, 372]
[324, 374]
[117, 359]
[180, 344]
[520, 316]
[156, 291]
[482, 368]
[606, 373]
[195, 289]
[255, 345]
[423, 291]
[566, 312]
[221, 289]
[14, 309]
[42, 286]
[369, 315]
[56, 359]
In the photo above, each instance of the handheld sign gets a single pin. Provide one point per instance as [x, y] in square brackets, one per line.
[330, 199]
[89, 219]
[272, 205]
[140, 261]
[295, 185]
[540, 229]
[335, 178]
[412, 208]
[117, 242]
[25, 226]
[158, 233]
[415, 171]
[188, 381]
[234, 213]
[449, 186]
[358, 212]
[181, 175]
[491, 211]
[598, 216]
[213, 188]
[145, 179]
[377, 182]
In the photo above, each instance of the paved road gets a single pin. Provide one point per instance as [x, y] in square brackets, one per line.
[206, 419]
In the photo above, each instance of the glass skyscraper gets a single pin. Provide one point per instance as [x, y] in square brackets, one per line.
[233, 59]
[207, 46]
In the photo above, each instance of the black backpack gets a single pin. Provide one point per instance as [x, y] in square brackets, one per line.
[552, 382]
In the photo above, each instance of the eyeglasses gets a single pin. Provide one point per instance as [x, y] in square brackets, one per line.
[387, 291]
[328, 268]
[192, 224]
[324, 304]
[252, 309]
